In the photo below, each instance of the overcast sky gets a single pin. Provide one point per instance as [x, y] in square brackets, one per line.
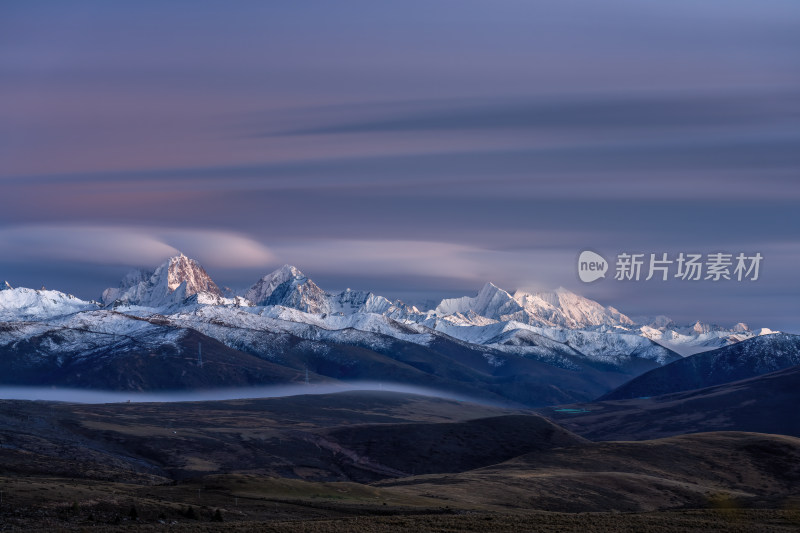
[417, 149]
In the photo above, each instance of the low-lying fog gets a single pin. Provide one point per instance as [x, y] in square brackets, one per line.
[55, 394]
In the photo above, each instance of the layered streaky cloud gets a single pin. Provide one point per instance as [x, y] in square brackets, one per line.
[429, 259]
[122, 245]
[650, 113]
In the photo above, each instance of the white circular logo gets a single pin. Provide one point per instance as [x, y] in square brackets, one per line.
[591, 266]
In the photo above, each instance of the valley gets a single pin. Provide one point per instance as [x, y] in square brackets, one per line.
[266, 409]
[372, 460]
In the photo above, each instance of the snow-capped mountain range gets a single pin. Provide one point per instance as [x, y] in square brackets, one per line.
[285, 318]
[181, 282]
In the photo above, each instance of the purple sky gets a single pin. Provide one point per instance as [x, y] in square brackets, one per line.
[413, 148]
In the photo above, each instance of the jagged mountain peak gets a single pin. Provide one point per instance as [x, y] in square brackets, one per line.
[289, 270]
[180, 277]
[182, 269]
[289, 287]
[490, 287]
[284, 273]
[555, 327]
[560, 307]
[172, 281]
[490, 302]
[264, 288]
[492, 291]
[702, 327]
[564, 308]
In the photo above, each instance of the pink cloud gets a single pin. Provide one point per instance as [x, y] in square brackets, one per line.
[131, 245]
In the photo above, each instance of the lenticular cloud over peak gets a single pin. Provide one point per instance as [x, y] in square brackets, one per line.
[132, 245]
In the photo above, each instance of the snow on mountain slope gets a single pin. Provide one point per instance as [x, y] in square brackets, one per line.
[289, 287]
[612, 348]
[131, 280]
[490, 302]
[556, 324]
[29, 304]
[172, 282]
[567, 309]
[348, 302]
[302, 294]
[183, 270]
[564, 310]
[261, 291]
[86, 335]
[690, 340]
[560, 308]
[470, 318]
[231, 324]
[271, 332]
[753, 357]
